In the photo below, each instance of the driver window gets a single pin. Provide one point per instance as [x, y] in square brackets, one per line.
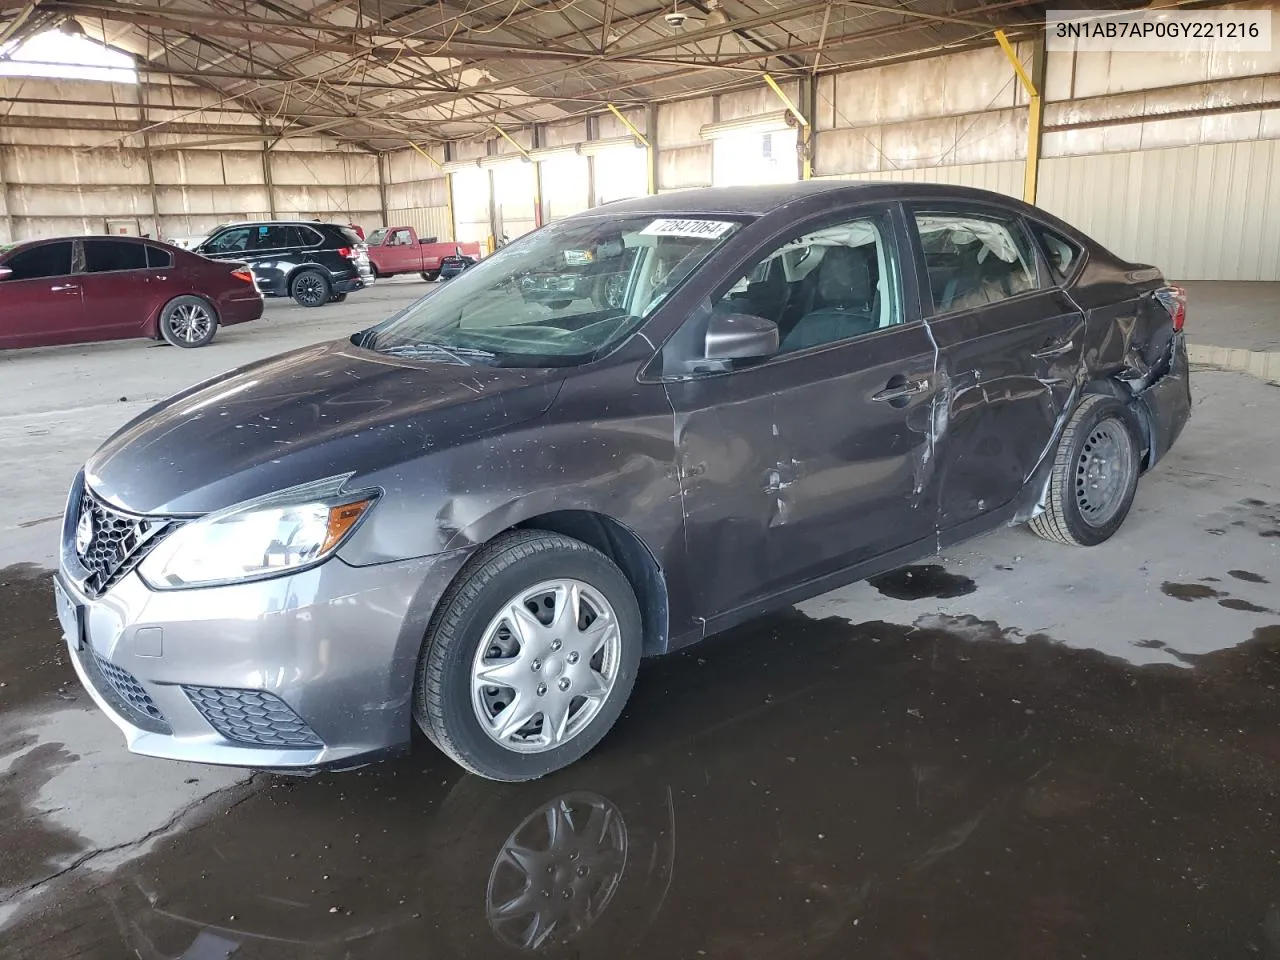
[401, 239]
[823, 286]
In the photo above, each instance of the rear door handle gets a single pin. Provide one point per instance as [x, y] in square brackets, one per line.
[1056, 350]
[901, 391]
[65, 288]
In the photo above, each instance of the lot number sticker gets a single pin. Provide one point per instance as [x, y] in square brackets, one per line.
[708, 229]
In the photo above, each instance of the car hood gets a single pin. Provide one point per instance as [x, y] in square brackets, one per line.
[305, 415]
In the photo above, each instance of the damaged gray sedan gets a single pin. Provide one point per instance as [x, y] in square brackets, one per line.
[480, 514]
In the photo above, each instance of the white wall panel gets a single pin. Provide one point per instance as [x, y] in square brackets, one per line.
[427, 221]
[1004, 177]
[1203, 212]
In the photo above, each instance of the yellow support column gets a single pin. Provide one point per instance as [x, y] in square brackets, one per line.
[1035, 114]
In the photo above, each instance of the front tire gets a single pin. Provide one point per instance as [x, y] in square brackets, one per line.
[188, 322]
[1095, 474]
[338, 298]
[529, 658]
[311, 288]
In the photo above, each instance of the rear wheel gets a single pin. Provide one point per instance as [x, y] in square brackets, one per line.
[529, 658]
[1095, 474]
[311, 288]
[431, 276]
[188, 322]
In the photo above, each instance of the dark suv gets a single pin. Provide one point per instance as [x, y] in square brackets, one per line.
[313, 262]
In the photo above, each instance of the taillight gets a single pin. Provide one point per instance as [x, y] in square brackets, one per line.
[344, 252]
[1174, 299]
[244, 275]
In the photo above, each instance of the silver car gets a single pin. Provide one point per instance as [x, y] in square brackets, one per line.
[481, 513]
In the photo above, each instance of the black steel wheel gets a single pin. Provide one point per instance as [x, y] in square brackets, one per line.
[1095, 474]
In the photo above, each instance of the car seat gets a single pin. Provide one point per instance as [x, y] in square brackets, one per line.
[843, 301]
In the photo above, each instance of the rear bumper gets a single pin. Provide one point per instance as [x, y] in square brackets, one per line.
[349, 284]
[1166, 404]
[240, 309]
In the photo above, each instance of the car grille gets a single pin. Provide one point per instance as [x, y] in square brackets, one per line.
[118, 543]
[252, 717]
[122, 690]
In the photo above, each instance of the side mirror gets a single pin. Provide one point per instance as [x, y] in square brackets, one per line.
[740, 336]
[5, 273]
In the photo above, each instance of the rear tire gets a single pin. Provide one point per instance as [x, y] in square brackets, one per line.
[188, 322]
[505, 637]
[311, 288]
[1095, 474]
[431, 276]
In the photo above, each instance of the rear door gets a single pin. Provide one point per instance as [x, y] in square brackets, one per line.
[1011, 344]
[274, 253]
[119, 298]
[42, 301]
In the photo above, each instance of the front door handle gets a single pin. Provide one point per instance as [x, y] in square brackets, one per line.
[900, 390]
[1059, 349]
[65, 288]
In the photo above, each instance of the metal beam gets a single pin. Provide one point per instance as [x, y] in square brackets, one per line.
[1035, 113]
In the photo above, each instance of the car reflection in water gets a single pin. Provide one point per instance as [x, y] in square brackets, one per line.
[931, 791]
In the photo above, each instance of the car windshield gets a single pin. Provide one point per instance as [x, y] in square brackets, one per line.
[561, 295]
[377, 236]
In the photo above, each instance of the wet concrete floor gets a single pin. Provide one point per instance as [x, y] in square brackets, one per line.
[801, 787]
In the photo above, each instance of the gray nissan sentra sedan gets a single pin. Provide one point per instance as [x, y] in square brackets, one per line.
[622, 433]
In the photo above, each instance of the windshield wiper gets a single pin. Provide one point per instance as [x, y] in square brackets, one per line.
[459, 355]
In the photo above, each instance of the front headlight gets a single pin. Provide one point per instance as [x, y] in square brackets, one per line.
[283, 532]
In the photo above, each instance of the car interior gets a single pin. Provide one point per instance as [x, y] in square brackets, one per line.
[820, 288]
[972, 262]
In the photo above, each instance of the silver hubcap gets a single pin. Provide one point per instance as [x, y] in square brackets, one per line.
[1104, 472]
[557, 872]
[190, 322]
[545, 665]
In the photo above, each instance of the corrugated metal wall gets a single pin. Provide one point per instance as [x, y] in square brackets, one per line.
[1202, 212]
[1003, 177]
[426, 221]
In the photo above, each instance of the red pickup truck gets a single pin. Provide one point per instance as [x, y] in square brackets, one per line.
[394, 250]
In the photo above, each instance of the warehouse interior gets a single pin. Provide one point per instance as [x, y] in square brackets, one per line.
[1021, 749]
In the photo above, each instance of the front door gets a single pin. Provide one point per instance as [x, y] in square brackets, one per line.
[42, 301]
[802, 465]
[1011, 344]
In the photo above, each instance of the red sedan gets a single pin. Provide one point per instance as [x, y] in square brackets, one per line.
[78, 289]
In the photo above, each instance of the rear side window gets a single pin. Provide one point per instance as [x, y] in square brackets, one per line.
[158, 258]
[349, 236]
[1060, 252]
[47, 260]
[974, 260]
[303, 237]
[110, 256]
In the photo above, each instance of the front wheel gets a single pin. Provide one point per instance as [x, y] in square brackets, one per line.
[188, 322]
[529, 657]
[338, 298]
[1095, 474]
[311, 288]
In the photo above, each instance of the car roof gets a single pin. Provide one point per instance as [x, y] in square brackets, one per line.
[23, 244]
[760, 200]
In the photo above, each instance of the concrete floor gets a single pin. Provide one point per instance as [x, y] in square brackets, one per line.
[1018, 748]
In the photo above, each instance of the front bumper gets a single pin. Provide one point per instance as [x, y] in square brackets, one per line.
[323, 661]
